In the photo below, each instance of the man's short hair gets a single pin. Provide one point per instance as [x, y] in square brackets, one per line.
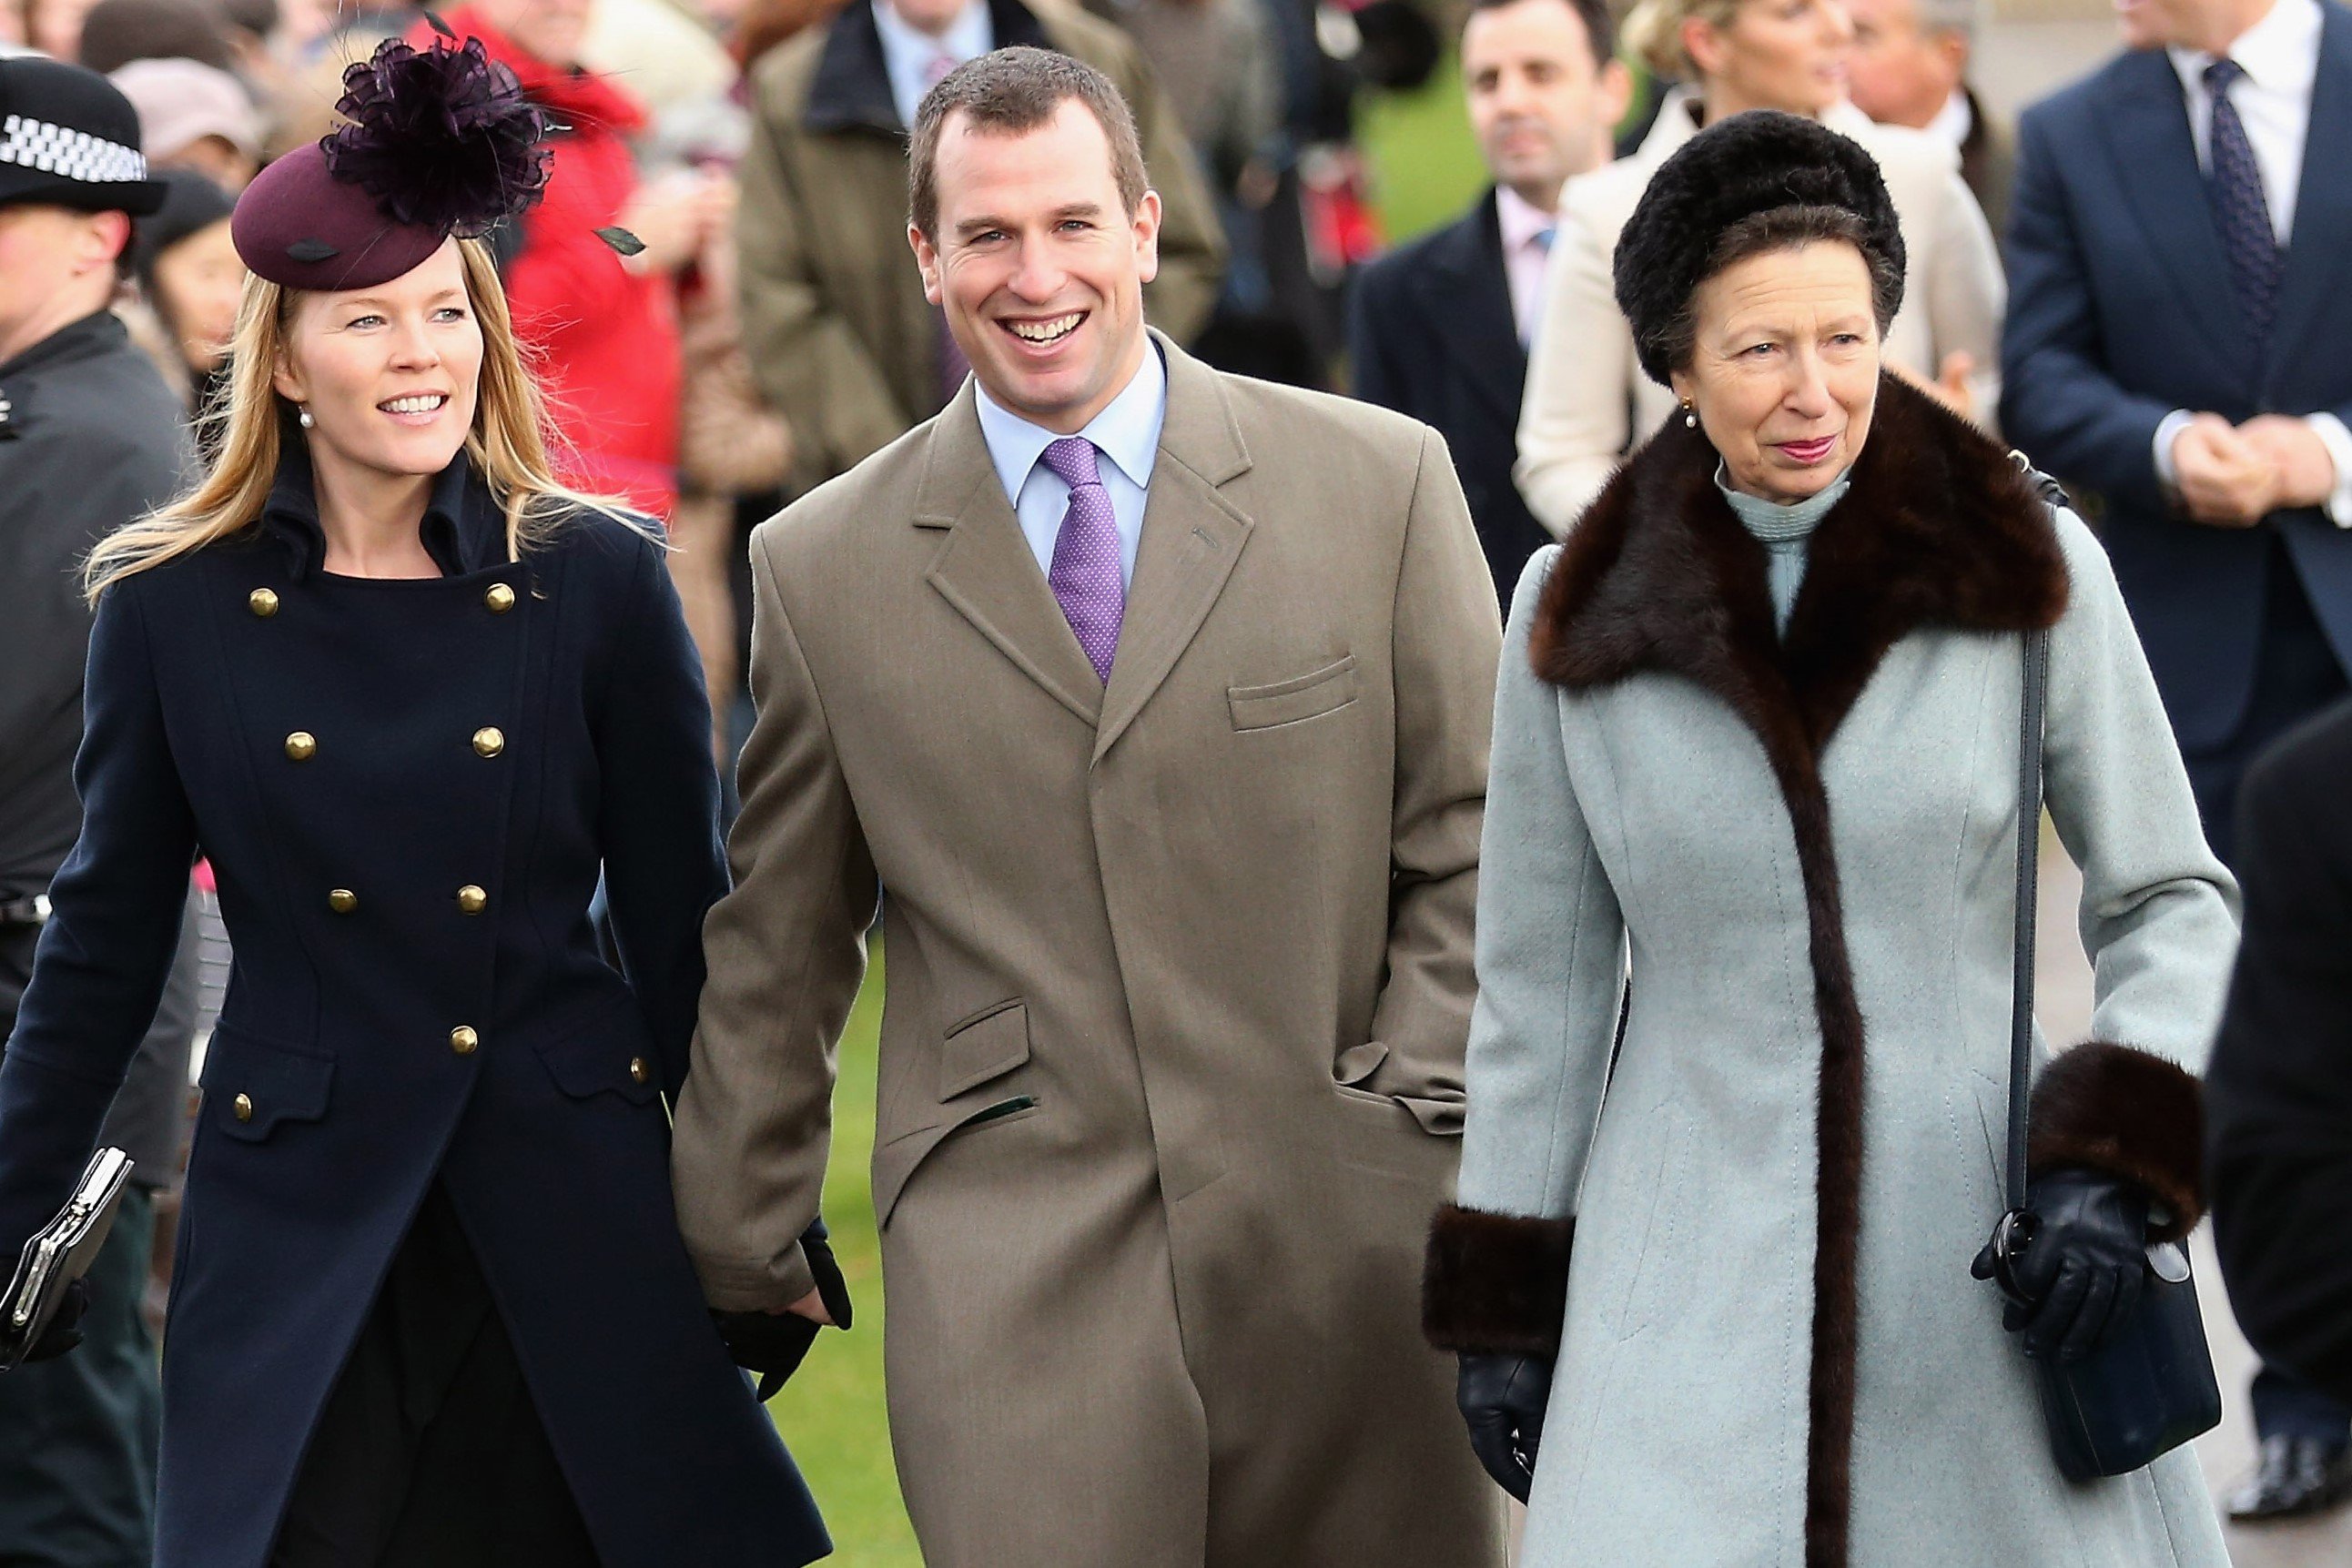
[1008, 92]
[1600, 26]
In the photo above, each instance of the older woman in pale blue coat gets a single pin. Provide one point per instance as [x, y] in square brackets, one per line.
[1758, 723]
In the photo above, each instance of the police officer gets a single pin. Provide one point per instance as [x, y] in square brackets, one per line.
[90, 438]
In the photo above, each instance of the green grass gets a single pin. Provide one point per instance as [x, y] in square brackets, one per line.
[1423, 159]
[831, 1414]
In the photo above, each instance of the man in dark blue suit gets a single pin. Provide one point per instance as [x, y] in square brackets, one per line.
[1439, 330]
[2177, 343]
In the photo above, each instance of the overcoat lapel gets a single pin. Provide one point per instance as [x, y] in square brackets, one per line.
[1938, 529]
[1192, 536]
[2156, 167]
[2322, 237]
[1465, 288]
[985, 568]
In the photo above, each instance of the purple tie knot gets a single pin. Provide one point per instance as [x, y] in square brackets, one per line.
[1073, 460]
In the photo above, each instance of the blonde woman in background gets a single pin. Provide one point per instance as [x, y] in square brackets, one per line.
[1587, 404]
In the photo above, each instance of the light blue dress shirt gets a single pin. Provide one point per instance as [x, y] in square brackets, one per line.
[1127, 436]
[907, 52]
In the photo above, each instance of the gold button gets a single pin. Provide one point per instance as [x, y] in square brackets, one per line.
[262, 602]
[501, 598]
[301, 745]
[472, 900]
[488, 741]
[342, 900]
[241, 1107]
[638, 1070]
[463, 1040]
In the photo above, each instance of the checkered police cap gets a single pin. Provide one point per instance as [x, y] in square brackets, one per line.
[69, 138]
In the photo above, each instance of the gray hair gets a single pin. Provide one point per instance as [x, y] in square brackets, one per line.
[1961, 16]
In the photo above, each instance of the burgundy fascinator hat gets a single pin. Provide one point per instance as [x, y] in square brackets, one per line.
[439, 141]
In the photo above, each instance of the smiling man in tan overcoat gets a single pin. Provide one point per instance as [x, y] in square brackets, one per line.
[1159, 700]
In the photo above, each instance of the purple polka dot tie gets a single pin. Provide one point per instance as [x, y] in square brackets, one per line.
[1085, 575]
[2240, 210]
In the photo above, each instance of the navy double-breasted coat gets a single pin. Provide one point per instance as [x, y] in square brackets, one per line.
[408, 789]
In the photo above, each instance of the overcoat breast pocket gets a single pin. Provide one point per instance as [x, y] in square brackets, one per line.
[252, 1085]
[1296, 700]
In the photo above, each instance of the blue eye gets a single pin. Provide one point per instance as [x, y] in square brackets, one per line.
[364, 320]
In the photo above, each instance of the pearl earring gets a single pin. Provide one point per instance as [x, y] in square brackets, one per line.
[307, 421]
[1690, 415]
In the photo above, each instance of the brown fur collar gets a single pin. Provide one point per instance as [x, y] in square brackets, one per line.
[2123, 1112]
[1939, 530]
[1496, 1283]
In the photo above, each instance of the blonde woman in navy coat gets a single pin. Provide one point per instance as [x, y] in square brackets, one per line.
[411, 698]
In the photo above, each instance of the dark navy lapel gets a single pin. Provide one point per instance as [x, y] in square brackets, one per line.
[2322, 237]
[852, 89]
[2155, 161]
[1465, 288]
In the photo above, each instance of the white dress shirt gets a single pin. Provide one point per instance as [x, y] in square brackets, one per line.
[2279, 55]
[1527, 231]
[910, 55]
[1127, 440]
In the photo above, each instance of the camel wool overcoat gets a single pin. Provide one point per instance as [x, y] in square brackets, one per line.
[1178, 992]
[1760, 1223]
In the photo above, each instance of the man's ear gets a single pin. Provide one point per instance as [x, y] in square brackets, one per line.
[1147, 236]
[1614, 96]
[927, 262]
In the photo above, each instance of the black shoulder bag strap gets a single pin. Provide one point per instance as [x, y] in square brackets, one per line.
[2028, 847]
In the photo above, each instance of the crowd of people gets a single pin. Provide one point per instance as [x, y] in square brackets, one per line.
[549, 524]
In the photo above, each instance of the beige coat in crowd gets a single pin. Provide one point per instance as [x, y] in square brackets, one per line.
[1178, 993]
[845, 346]
[1587, 402]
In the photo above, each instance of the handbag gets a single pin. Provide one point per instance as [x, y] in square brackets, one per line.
[2150, 1386]
[60, 1253]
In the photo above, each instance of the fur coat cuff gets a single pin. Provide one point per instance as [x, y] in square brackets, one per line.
[2123, 1113]
[1496, 1283]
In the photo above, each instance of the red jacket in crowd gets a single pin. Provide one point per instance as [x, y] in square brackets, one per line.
[606, 337]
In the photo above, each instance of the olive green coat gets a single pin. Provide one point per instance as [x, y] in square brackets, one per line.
[844, 344]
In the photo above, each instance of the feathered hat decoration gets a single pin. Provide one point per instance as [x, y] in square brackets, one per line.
[436, 142]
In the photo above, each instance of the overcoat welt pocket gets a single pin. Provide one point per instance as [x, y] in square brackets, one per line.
[1310, 695]
[983, 1045]
[251, 1085]
[595, 1061]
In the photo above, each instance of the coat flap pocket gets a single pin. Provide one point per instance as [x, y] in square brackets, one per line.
[595, 1061]
[990, 1042]
[1310, 696]
[1359, 1062]
[252, 1084]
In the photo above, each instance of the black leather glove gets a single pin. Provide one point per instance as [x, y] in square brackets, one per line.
[2079, 1272]
[64, 1331]
[774, 1345]
[1503, 1398]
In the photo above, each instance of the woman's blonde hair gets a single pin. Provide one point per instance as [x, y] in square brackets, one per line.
[1652, 33]
[509, 442]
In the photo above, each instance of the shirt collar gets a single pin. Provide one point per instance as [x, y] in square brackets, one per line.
[966, 39]
[1126, 431]
[2279, 53]
[1520, 219]
[1954, 120]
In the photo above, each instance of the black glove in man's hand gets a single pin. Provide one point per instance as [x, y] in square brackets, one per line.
[64, 1331]
[1503, 1398]
[774, 1345]
[2081, 1271]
